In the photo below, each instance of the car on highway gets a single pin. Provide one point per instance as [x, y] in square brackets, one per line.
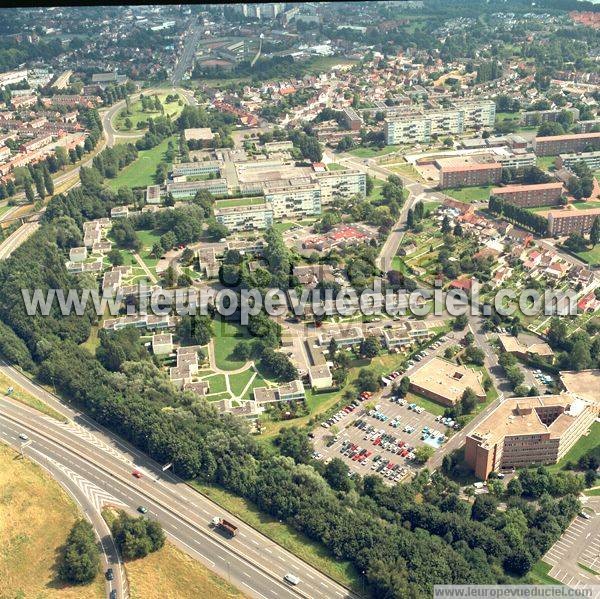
[110, 574]
[113, 594]
[23, 437]
[291, 578]
[137, 474]
[142, 509]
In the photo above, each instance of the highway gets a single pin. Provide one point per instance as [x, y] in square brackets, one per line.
[187, 55]
[102, 461]
[11, 243]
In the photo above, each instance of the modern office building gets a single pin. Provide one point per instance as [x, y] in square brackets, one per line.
[563, 144]
[530, 196]
[529, 431]
[570, 220]
[419, 128]
[470, 174]
[245, 218]
[590, 159]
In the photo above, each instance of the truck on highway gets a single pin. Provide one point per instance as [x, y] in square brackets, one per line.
[225, 526]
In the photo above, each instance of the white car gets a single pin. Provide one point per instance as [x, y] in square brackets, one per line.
[291, 578]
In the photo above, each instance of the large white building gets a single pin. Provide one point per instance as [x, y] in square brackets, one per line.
[335, 185]
[419, 128]
[294, 198]
[245, 218]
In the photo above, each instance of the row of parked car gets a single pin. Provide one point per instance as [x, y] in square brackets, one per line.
[385, 440]
[449, 422]
[388, 469]
[429, 433]
[346, 410]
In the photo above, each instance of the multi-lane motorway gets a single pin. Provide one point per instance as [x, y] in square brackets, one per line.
[102, 464]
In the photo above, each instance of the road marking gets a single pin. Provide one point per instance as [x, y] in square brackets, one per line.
[253, 590]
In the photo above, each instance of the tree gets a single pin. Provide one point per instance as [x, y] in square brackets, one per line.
[115, 257]
[29, 191]
[468, 401]
[404, 386]
[423, 453]
[136, 537]
[294, 443]
[217, 231]
[484, 506]
[367, 380]
[336, 474]
[370, 347]
[48, 183]
[80, 557]
[460, 322]
[446, 227]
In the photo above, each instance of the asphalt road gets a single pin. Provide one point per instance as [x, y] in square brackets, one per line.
[250, 561]
[187, 55]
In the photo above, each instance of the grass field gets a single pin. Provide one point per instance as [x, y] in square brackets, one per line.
[283, 227]
[227, 336]
[239, 202]
[332, 166]
[172, 109]
[545, 162]
[172, 574]
[539, 574]
[36, 516]
[585, 443]
[217, 383]
[592, 257]
[311, 552]
[140, 173]
[470, 194]
[21, 395]
[372, 152]
[238, 381]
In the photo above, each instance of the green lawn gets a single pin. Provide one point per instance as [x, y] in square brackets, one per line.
[539, 574]
[592, 257]
[592, 492]
[334, 166]
[217, 383]
[315, 400]
[372, 152]
[140, 173]
[172, 109]
[585, 443]
[227, 336]
[470, 194]
[239, 202]
[310, 551]
[431, 406]
[545, 162]
[589, 205]
[238, 382]
[283, 227]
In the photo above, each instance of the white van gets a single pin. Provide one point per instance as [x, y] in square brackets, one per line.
[291, 578]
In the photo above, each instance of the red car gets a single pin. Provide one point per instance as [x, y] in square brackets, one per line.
[404, 453]
[137, 474]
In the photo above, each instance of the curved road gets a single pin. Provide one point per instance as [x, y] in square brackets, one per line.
[250, 561]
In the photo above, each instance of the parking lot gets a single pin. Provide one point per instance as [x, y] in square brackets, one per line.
[382, 437]
[576, 555]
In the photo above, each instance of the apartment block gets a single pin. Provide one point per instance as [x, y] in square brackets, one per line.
[528, 431]
[195, 169]
[590, 159]
[352, 119]
[516, 160]
[186, 189]
[530, 196]
[245, 218]
[535, 117]
[291, 199]
[564, 144]
[470, 174]
[569, 220]
[454, 121]
[341, 185]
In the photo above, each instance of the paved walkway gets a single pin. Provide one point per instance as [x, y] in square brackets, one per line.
[142, 264]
